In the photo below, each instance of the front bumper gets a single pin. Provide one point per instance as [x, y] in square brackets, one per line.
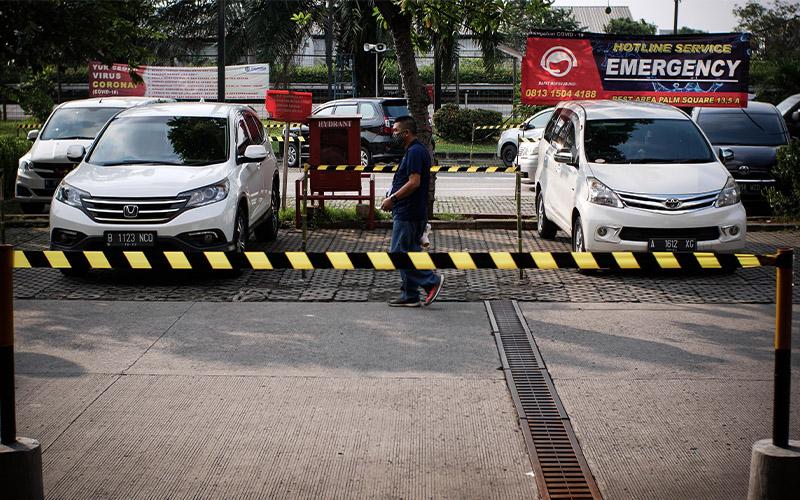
[32, 188]
[527, 167]
[218, 217]
[616, 219]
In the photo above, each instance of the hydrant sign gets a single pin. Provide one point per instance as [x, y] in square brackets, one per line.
[288, 106]
[707, 70]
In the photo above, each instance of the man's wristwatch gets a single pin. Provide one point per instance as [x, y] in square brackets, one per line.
[393, 198]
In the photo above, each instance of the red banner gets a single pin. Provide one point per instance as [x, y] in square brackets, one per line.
[288, 106]
[707, 70]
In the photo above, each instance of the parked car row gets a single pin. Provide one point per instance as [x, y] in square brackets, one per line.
[183, 176]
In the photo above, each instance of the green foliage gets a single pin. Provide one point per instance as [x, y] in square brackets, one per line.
[785, 198]
[330, 217]
[455, 124]
[775, 67]
[685, 30]
[35, 95]
[625, 26]
[11, 149]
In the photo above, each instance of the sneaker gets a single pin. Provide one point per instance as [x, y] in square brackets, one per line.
[434, 291]
[404, 303]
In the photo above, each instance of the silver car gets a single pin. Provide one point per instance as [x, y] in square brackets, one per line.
[71, 123]
[530, 128]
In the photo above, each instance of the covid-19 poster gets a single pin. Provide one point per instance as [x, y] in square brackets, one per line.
[683, 70]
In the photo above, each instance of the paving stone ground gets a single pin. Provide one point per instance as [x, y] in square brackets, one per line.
[745, 286]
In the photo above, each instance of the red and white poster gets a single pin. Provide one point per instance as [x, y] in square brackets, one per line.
[706, 70]
[288, 106]
[248, 81]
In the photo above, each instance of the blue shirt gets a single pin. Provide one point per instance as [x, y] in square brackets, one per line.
[413, 207]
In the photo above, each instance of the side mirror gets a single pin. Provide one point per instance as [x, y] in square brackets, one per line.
[33, 135]
[795, 116]
[255, 152]
[565, 156]
[75, 153]
[725, 155]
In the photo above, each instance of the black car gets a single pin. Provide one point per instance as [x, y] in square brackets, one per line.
[377, 117]
[754, 134]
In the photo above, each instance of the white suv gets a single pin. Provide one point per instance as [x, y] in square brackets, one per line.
[73, 122]
[623, 176]
[181, 176]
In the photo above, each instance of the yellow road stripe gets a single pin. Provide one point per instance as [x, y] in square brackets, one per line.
[340, 260]
[666, 260]
[20, 260]
[137, 260]
[299, 260]
[503, 260]
[544, 260]
[381, 261]
[97, 259]
[258, 260]
[218, 260]
[177, 260]
[57, 259]
[462, 260]
[421, 260]
[707, 260]
[748, 260]
[585, 260]
[626, 260]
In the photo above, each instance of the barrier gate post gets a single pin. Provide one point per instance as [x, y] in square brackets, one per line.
[20, 458]
[783, 347]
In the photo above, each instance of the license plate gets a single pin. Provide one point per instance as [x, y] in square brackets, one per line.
[751, 187]
[672, 245]
[130, 238]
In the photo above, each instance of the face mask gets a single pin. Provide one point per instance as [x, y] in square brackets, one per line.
[397, 140]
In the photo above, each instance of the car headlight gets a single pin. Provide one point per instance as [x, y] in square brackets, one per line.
[730, 194]
[25, 165]
[70, 195]
[207, 195]
[601, 194]
[528, 149]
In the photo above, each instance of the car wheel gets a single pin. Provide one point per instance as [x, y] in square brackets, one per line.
[546, 228]
[366, 158]
[508, 154]
[268, 230]
[291, 155]
[578, 242]
[32, 208]
[240, 232]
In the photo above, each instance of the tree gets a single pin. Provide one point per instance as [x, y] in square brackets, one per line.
[684, 30]
[521, 17]
[625, 26]
[775, 68]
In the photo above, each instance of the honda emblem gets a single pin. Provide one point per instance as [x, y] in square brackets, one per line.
[130, 211]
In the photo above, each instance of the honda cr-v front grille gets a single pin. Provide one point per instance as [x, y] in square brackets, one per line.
[133, 210]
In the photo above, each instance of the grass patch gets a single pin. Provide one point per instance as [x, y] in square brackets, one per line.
[9, 128]
[443, 146]
[449, 217]
[331, 217]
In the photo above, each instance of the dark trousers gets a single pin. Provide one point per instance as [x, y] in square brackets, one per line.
[405, 238]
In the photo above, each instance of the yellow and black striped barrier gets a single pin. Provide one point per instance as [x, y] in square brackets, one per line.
[277, 138]
[382, 261]
[392, 167]
[28, 126]
[529, 139]
[507, 126]
[274, 124]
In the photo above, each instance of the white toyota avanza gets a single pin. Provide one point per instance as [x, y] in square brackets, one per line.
[180, 176]
[624, 176]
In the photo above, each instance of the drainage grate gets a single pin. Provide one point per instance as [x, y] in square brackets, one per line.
[558, 463]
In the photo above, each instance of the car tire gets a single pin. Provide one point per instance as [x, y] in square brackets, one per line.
[578, 238]
[240, 232]
[545, 227]
[366, 158]
[292, 155]
[268, 230]
[32, 208]
[508, 153]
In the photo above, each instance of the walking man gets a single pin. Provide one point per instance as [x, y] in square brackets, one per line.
[408, 202]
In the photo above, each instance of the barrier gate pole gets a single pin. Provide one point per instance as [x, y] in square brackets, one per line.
[783, 347]
[8, 420]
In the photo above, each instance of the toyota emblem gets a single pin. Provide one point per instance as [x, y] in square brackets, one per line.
[130, 211]
[744, 170]
[673, 203]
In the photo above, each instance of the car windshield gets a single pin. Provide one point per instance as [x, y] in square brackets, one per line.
[395, 109]
[740, 128]
[163, 140]
[788, 103]
[645, 141]
[77, 123]
[540, 120]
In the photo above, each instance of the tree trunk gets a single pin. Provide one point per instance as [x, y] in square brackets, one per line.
[400, 26]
